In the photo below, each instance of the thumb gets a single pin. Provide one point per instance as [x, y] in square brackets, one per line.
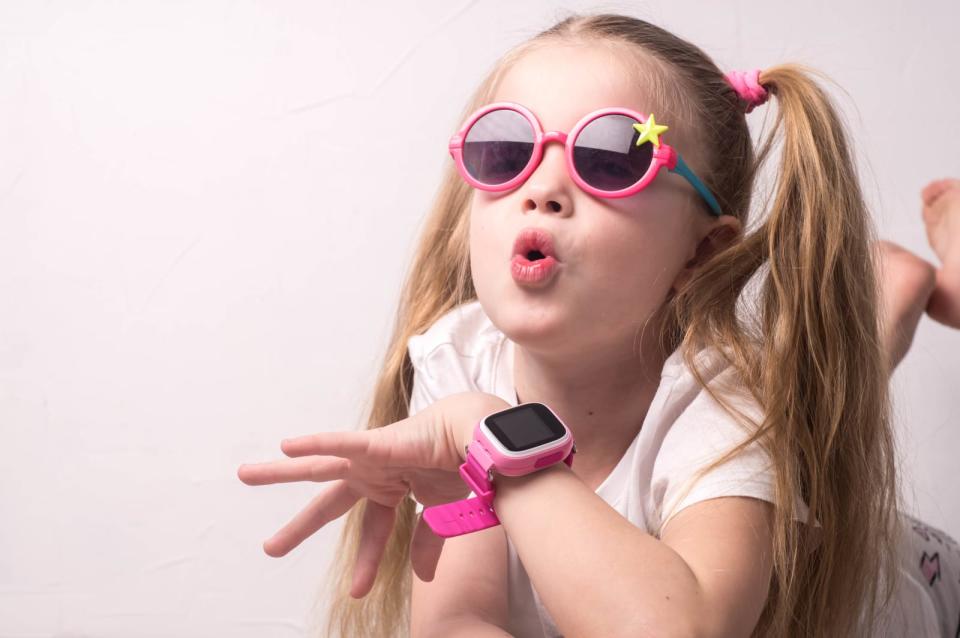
[425, 550]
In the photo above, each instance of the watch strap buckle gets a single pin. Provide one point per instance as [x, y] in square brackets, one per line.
[474, 474]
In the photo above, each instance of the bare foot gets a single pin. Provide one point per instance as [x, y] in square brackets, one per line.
[906, 282]
[941, 216]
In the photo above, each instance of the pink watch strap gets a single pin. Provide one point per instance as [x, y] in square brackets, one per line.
[470, 514]
[460, 517]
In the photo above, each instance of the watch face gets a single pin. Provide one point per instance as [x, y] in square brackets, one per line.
[525, 427]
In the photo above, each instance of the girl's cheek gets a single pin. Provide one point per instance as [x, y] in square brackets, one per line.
[483, 248]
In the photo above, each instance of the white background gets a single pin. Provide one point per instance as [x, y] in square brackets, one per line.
[199, 257]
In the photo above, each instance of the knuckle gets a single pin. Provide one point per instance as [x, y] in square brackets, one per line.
[316, 472]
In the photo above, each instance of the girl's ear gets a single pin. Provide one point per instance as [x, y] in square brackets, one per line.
[723, 231]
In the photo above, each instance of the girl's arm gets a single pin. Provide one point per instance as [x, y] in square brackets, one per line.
[468, 593]
[471, 627]
[600, 575]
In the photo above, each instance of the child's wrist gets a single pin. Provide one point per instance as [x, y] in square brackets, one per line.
[486, 404]
[465, 437]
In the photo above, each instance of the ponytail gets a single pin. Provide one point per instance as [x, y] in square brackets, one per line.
[824, 369]
[814, 361]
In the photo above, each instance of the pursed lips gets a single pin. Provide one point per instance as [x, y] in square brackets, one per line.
[534, 243]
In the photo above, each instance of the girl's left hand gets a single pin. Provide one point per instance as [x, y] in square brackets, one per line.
[421, 454]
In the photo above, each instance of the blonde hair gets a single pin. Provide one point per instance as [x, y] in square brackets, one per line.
[811, 355]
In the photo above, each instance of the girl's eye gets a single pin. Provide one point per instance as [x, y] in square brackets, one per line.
[610, 164]
[506, 157]
[510, 152]
[495, 162]
[613, 169]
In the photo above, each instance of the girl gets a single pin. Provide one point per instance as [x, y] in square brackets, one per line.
[734, 472]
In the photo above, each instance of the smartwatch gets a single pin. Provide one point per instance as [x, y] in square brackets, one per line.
[513, 442]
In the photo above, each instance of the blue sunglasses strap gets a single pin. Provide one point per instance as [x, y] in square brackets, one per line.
[685, 171]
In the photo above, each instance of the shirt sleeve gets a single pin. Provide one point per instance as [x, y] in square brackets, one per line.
[420, 396]
[703, 433]
[438, 371]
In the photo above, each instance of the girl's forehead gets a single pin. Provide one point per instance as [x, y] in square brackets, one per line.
[562, 83]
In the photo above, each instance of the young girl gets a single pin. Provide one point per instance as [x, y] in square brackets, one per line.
[734, 468]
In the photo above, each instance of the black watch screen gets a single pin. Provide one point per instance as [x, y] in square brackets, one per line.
[525, 426]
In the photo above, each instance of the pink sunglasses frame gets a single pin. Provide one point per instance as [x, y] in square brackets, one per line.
[663, 154]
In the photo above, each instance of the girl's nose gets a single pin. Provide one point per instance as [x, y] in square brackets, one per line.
[548, 188]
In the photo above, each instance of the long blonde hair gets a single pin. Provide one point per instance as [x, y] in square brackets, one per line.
[808, 351]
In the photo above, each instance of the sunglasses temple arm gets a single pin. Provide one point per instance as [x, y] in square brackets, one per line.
[685, 171]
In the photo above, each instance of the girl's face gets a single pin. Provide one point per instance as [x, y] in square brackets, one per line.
[618, 258]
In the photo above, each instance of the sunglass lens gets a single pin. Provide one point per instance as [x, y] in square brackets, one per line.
[498, 146]
[606, 154]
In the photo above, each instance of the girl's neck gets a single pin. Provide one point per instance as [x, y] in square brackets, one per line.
[603, 399]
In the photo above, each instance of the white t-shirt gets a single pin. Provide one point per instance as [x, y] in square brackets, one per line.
[683, 431]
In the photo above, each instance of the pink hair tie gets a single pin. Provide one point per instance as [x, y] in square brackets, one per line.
[747, 85]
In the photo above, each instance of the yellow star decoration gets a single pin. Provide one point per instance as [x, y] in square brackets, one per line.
[650, 130]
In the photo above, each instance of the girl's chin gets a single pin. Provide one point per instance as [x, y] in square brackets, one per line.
[531, 323]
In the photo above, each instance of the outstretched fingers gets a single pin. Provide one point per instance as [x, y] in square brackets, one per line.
[374, 535]
[311, 468]
[327, 506]
[348, 443]
[425, 550]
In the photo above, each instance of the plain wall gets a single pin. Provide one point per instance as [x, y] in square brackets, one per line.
[205, 213]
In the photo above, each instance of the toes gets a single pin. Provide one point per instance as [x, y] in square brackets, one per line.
[932, 190]
[937, 187]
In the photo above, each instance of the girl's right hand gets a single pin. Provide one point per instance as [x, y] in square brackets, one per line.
[421, 453]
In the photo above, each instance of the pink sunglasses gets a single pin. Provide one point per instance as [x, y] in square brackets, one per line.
[615, 151]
